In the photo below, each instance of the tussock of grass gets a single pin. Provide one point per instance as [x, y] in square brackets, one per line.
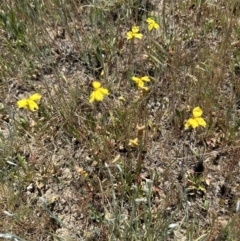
[104, 154]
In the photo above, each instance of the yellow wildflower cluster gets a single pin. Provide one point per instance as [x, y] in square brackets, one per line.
[134, 33]
[99, 92]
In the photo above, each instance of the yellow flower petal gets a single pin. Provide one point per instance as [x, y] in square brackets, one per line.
[187, 125]
[140, 84]
[138, 35]
[135, 79]
[201, 121]
[129, 35]
[156, 25]
[32, 105]
[98, 95]
[95, 96]
[23, 103]
[138, 81]
[191, 122]
[135, 29]
[92, 97]
[96, 85]
[143, 88]
[103, 91]
[145, 78]
[197, 112]
[149, 20]
[35, 97]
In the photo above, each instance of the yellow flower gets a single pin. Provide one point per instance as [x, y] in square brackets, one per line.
[144, 89]
[30, 103]
[196, 120]
[140, 81]
[134, 33]
[133, 143]
[152, 24]
[98, 92]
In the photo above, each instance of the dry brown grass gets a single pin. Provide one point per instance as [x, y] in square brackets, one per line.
[67, 171]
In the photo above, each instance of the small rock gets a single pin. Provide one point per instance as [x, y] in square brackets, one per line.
[30, 188]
